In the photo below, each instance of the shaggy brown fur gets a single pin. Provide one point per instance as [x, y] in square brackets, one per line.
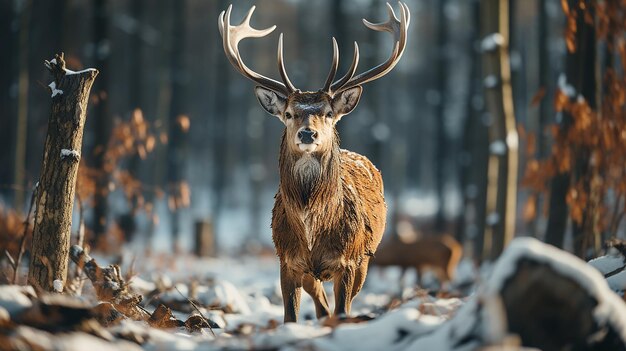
[328, 219]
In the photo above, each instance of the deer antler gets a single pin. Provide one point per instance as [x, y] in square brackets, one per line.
[395, 26]
[232, 35]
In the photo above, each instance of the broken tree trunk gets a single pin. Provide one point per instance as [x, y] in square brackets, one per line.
[57, 182]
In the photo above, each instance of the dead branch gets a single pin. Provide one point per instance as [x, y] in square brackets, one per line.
[23, 240]
[109, 284]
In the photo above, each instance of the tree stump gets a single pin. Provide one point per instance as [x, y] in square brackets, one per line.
[57, 182]
[205, 241]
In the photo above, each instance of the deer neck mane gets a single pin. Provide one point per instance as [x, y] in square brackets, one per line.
[304, 177]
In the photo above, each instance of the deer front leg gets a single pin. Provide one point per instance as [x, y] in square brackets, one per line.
[290, 286]
[344, 281]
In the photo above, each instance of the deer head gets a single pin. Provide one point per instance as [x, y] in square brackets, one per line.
[310, 117]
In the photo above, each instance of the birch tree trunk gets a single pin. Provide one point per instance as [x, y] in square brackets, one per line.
[503, 137]
[57, 182]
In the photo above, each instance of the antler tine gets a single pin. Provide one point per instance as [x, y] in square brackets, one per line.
[333, 67]
[281, 66]
[232, 35]
[351, 71]
[398, 28]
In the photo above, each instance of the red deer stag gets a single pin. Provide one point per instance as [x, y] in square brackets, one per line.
[329, 213]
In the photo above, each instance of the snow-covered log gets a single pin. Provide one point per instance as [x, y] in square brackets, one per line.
[542, 296]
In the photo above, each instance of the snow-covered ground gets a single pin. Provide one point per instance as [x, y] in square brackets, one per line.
[242, 298]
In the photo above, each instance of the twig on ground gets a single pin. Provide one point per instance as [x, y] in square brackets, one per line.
[23, 240]
[197, 310]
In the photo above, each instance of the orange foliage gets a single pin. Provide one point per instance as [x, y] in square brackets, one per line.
[132, 138]
[596, 138]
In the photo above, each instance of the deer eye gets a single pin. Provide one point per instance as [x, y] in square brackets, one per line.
[329, 115]
[287, 115]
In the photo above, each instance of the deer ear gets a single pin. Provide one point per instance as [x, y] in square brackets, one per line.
[344, 102]
[272, 102]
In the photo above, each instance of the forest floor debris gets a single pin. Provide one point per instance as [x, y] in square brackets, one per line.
[235, 304]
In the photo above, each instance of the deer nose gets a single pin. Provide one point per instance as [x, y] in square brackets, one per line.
[307, 136]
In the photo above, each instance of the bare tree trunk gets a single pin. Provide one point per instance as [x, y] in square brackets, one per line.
[474, 161]
[57, 183]
[22, 106]
[580, 73]
[220, 114]
[134, 100]
[102, 119]
[440, 115]
[503, 137]
[177, 145]
[545, 107]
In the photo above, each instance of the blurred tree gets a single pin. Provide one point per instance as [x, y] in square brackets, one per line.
[440, 115]
[503, 138]
[136, 57]
[178, 122]
[101, 115]
[579, 74]
[220, 113]
[8, 69]
[475, 145]
[22, 104]
[135, 105]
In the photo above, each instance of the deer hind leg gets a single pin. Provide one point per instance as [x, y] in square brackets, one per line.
[359, 278]
[315, 288]
[343, 284]
[290, 286]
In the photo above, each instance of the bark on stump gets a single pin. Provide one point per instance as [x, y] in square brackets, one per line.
[57, 182]
[551, 311]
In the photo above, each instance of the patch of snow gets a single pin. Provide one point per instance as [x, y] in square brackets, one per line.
[608, 263]
[288, 334]
[610, 308]
[498, 147]
[142, 286]
[223, 293]
[75, 341]
[392, 331]
[4, 315]
[491, 81]
[617, 282]
[491, 42]
[57, 285]
[512, 140]
[566, 88]
[54, 90]
[493, 218]
[15, 298]
[69, 72]
[74, 154]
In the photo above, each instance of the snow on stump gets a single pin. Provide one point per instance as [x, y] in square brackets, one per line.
[553, 300]
[537, 296]
[57, 182]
